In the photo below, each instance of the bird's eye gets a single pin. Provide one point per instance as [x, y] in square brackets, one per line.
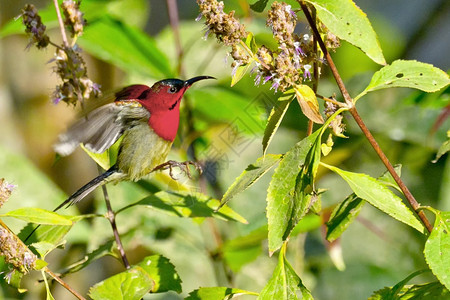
[172, 89]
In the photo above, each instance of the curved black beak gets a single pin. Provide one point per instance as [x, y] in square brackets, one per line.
[191, 81]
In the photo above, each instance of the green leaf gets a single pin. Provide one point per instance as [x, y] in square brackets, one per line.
[38, 216]
[162, 272]
[132, 284]
[259, 5]
[276, 116]
[217, 293]
[240, 72]
[106, 159]
[444, 148]
[126, 47]
[280, 194]
[102, 251]
[189, 205]
[251, 43]
[432, 290]
[408, 73]
[437, 248]
[377, 194]
[250, 175]
[343, 215]
[387, 179]
[350, 23]
[284, 283]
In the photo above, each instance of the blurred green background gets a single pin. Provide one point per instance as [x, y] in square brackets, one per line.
[118, 52]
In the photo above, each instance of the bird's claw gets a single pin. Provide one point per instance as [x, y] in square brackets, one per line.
[183, 166]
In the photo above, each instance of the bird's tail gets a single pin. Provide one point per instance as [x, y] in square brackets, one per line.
[89, 187]
[84, 191]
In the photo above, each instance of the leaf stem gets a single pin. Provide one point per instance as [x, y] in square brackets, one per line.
[61, 282]
[348, 100]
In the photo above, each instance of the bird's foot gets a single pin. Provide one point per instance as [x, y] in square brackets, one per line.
[183, 166]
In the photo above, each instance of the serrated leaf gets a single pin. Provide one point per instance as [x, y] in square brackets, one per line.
[38, 216]
[343, 215]
[250, 175]
[284, 283]
[240, 72]
[437, 248]
[280, 194]
[162, 272]
[217, 293]
[432, 290]
[308, 103]
[276, 116]
[408, 73]
[387, 179]
[132, 284]
[348, 22]
[377, 194]
[189, 205]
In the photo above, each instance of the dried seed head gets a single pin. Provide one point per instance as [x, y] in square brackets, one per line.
[73, 17]
[225, 26]
[15, 252]
[5, 191]
[34, 27]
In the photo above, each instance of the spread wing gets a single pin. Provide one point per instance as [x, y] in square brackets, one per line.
[103, 126]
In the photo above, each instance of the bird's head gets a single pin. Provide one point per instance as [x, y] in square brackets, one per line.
[165, 95]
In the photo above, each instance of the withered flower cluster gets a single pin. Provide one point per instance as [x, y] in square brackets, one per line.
[73, 17]
[5, 190]
[70, 66]
[336, 124]
[34, 27]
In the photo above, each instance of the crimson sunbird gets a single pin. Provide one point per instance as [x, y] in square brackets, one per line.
[146, 117]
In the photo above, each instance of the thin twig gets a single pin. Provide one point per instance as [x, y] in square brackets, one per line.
[110, 215]
[348, 100]
[61, 24]
[340, 104]
[63, 283]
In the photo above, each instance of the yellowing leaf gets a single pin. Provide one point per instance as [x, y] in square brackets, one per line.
[308, 103]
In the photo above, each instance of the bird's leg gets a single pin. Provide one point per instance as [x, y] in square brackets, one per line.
[184, 167]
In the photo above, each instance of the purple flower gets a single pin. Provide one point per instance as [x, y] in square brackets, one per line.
[307, 73]
[298, 50]
[276, 84]
[267, 78]
[258, 78]
[290, 11]
[199, 17]
[233, 72]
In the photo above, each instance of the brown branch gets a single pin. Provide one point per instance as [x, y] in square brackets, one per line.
[63, 283]
[348, 100]
[61, 24]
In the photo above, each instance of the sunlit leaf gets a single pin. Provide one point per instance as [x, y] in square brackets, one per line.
[285, 283]
[38, 216]
[131, 284]
[239, 73]
[408, 73]
[437, 248]
[444, 148]
[343, 215]
[216, 293]
[432, 290]
[280, 194]
[189, 205]
[275, 118]
[162, 272]
[377, 194]
[250, 175]
[308, 103]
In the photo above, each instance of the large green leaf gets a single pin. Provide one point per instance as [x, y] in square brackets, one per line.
[38, 216]
[377, 194]
[280, 194]
[285, 283]
[408, 73]
[350, 23]
[126, 47]
[189, 205]
[216, 293]
[131, 284]
[343, 215]
[250, 175]
[437, 248]
[162, 271]
[276, 116]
